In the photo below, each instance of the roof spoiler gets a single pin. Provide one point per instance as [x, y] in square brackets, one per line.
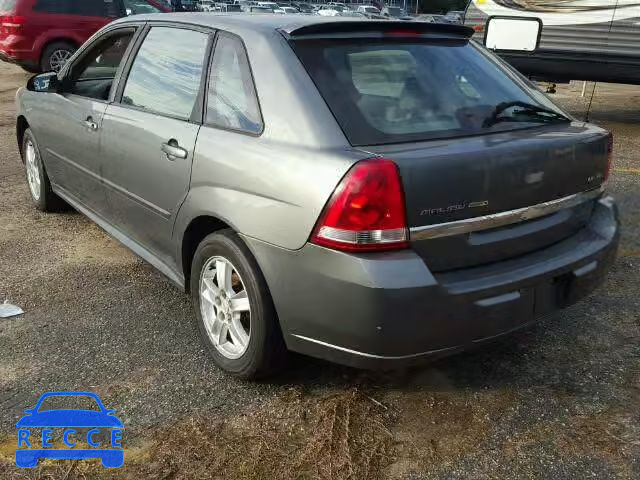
[370, 28]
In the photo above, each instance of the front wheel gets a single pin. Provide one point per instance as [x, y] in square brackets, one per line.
[37, 179]
[234, 311]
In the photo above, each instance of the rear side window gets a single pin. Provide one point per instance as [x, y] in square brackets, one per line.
[232, 101]
[394, 91]
[166, 73]
[89, 8]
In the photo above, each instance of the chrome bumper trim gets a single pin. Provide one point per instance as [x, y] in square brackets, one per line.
[371, 355]
[502, 219]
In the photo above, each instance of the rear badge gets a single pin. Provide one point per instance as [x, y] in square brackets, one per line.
[454, 208]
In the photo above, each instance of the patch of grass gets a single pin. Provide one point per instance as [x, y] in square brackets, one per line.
[332, 437]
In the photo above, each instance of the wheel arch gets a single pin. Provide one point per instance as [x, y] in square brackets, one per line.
[197, 229]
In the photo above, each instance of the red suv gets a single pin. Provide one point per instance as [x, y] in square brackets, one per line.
[41, 35]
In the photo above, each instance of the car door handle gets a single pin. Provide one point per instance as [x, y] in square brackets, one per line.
[173, 150]
[90, 124]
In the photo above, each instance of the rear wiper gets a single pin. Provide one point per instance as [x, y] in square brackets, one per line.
[541, 113]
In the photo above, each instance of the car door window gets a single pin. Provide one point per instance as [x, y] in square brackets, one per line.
[166, 74]
[232, 102]
[93, 74]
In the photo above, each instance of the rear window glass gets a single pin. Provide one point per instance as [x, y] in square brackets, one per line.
[7, 5]
[393, 91]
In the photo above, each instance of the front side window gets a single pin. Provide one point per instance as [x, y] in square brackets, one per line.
[165, 75]
[93, 75]
[232, 101]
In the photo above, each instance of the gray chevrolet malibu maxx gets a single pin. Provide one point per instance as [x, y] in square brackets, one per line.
[372, 193]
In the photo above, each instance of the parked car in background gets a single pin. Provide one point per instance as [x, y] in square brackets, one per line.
[368, 9]
[303, 7]
[330, 10]
[290, 10]
[256, 9]
[206, 6]
[227, 7]
[393, 12]
[419, 199]
[272, 6]
[41, 35]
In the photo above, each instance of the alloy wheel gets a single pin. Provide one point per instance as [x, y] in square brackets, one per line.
[225, 307]
[33, 170]
[58, 59]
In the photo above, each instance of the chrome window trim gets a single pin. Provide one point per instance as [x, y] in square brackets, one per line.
[501, 219]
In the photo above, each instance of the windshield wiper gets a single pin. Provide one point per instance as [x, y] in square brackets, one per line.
[540, 113]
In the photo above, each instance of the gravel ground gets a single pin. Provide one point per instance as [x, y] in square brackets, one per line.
[560, 400]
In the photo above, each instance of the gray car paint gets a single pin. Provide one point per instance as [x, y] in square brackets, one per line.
[272, 187]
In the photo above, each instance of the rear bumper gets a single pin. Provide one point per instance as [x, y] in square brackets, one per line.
[389, 310]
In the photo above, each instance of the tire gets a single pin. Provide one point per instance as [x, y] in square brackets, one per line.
[265, 349]
[52, 56]
[31, 68]
[37, 180]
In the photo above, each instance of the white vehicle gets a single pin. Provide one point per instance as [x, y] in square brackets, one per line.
[331, 10]
[289, 10]
[206, 6]
[270, 5]
[368, 9]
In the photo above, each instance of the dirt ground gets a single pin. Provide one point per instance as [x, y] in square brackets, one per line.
[560, 400]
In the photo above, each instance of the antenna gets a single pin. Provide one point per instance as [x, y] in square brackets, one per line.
[586, 117]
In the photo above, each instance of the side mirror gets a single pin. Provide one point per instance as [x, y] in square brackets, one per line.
[44, 82]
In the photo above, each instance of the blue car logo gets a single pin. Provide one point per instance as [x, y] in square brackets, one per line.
[30, 450]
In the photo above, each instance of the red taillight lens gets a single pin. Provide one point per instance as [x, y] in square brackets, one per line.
[366, 212]
[609, 158]
[12, 23]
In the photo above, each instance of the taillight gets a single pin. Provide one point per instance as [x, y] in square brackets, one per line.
[478, 28]
[12, 23]
[366, 212]
[609, 157]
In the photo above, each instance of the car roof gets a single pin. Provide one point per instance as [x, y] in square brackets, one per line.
[266, 23]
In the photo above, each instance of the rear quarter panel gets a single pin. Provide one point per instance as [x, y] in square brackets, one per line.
[271, 187]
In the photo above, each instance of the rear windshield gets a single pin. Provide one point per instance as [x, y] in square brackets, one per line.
[7, 5]
[392, 91]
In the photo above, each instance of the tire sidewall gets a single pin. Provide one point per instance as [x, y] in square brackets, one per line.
[225, 245]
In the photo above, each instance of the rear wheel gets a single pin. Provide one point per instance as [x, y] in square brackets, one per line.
[37, 179]
[234, 311]
[56, 55]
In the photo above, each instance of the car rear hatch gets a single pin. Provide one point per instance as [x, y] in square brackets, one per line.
[491, 168]
[487, 198]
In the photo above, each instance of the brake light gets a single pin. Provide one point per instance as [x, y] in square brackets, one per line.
[609, 157]
[366, 211]
[478, 28]
[12, 23]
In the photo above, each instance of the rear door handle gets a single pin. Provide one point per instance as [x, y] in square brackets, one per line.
[173, 150]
